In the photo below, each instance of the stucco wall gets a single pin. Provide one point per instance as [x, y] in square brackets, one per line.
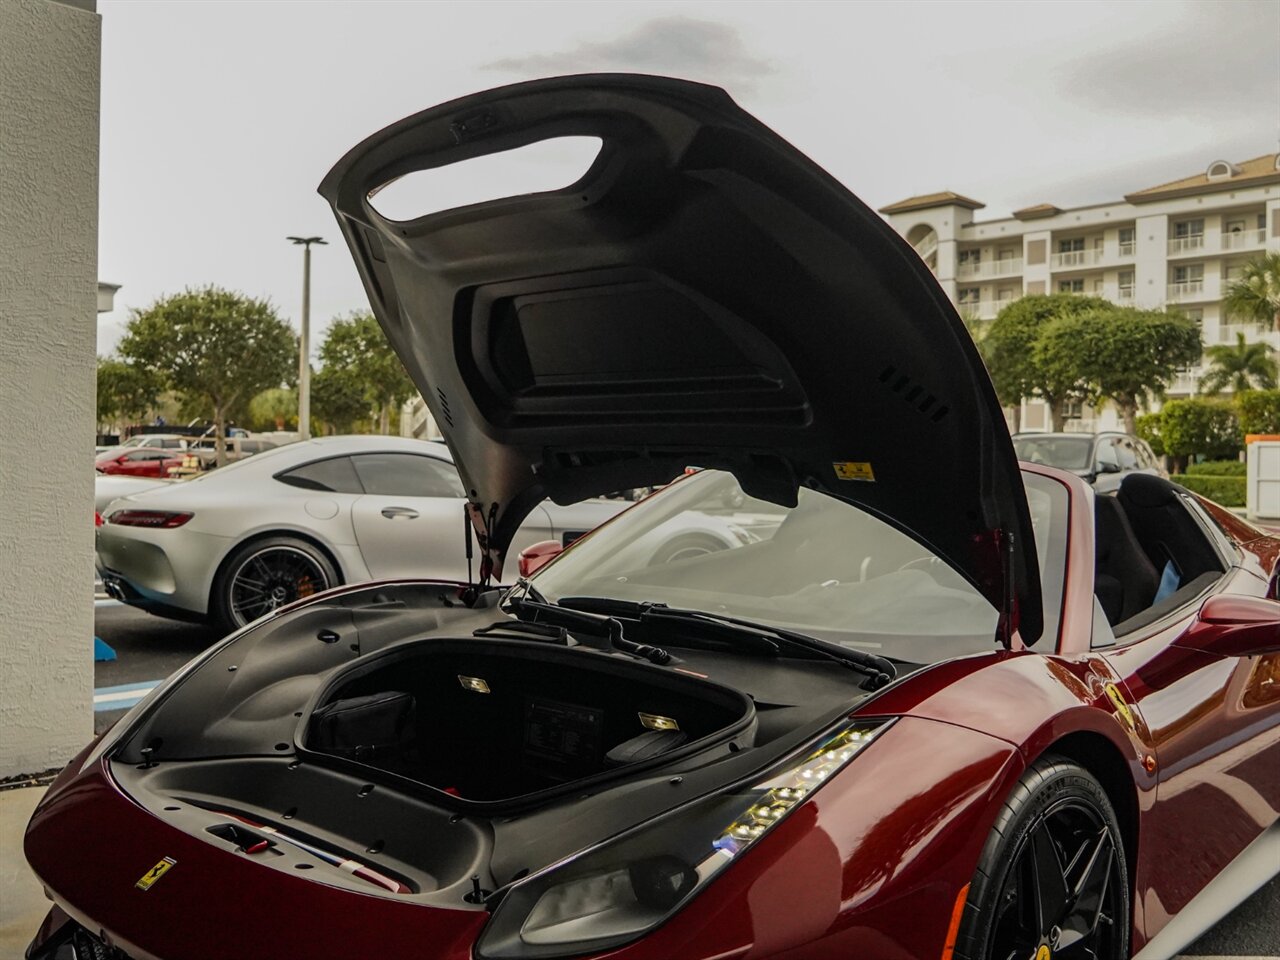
[49, 69]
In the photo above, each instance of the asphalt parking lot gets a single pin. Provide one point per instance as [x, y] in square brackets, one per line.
[149, 648]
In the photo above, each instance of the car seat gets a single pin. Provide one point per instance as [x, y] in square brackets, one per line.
[1125, 579]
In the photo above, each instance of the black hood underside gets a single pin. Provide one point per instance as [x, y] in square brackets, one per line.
[704, 295]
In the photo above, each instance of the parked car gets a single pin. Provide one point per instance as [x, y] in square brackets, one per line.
[949, 707]
[243, 540]
[108, 487]
[139, 461]
[166, 441]
[1102, 459]
[237, 448]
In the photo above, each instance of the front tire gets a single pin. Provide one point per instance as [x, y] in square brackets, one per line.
[263, 575]
[1052, 880]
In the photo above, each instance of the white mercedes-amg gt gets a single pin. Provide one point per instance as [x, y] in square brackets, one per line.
[239, 542]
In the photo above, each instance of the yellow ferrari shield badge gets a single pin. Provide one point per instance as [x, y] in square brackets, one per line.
[149, 878]
[1123, 712]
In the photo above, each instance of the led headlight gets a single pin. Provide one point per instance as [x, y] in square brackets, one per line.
[614, 892]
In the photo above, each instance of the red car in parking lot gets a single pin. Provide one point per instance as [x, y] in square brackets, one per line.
[138, 461]
[941, 705]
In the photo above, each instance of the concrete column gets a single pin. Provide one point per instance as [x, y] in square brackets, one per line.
[49, 70]
[1151, 267]
[1036, 251]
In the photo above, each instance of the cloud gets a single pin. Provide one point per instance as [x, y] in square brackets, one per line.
[677, 46]
[1171, 69]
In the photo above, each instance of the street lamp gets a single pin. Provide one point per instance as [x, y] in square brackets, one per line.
[304, 346]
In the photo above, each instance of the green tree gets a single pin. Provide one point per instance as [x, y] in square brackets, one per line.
[1121, 354]
[358, 360]
[1008, 349]
[215, 348]
[1241, 367]
[126, 392]
[1148, 428]
[1199, 427]
[338, 401]
[1259, 411]
[1255, 297]
[274, 409]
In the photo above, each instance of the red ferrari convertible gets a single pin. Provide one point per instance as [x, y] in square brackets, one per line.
[918, 702]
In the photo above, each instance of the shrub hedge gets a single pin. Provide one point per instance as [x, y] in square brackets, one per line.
[1259, 411]
[1218, 468]
[1227, 491]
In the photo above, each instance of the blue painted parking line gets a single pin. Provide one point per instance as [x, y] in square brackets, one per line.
[123, 696]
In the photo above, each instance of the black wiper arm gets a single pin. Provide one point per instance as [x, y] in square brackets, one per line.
[878, 670]
[528, 590]
[586, 623]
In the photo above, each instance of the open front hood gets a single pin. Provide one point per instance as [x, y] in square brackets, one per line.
[703, 295]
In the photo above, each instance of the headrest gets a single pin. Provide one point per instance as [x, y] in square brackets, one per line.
[1109, 525]
[1144, 490]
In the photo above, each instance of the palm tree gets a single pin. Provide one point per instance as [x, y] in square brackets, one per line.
[1256, 295]
[1245, 366]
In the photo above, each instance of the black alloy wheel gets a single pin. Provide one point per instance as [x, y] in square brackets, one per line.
[1052, 882]
[264, 575]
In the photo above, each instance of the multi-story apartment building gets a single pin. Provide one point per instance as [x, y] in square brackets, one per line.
[1179, 243]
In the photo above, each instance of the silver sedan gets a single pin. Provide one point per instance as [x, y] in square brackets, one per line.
[232, 545]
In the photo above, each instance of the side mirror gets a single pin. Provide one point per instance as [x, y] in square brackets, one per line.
[1101, 467]
[536, 556]
[1234, 626]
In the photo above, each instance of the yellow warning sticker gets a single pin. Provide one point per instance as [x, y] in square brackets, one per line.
[854, 470]
[155, 873]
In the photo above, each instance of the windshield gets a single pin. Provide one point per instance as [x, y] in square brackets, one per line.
[1066, 453]
[824, 568]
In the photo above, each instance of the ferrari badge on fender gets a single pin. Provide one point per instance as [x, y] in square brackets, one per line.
[146, 881]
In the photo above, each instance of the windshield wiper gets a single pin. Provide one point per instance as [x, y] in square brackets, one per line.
[527, 591]
[877, 670]
[585, 623]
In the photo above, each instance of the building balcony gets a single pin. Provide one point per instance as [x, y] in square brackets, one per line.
[1227, 332]
[1127, 251]
[1074, 259]
[1008, 267]
[927, 246]
[1243, 240]
[1185, 382]
[1124, 295]
[981, 309]
[1191, 244]
[1186, 291]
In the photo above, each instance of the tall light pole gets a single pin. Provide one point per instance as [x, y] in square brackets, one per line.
[304, 345]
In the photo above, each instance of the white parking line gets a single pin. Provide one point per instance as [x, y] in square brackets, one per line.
[125, 695]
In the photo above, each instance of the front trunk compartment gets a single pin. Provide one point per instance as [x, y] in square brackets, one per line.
[356, 726]
[500, 724]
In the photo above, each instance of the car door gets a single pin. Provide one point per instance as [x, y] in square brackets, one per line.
[146, 462]
[1214, 724]
[409, 522]
[1107, 465]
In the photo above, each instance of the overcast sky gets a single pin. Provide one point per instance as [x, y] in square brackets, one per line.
[219, 119]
